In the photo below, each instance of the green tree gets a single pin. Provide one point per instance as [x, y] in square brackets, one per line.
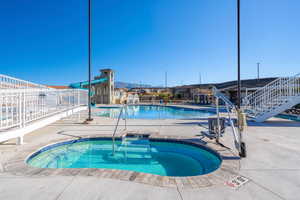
[166, 97]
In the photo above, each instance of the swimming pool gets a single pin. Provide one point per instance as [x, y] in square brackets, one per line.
[154, 156]
[154, 112]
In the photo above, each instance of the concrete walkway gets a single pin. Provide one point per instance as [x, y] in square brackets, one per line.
[272, 165]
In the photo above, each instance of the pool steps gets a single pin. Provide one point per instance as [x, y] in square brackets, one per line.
[135, 143]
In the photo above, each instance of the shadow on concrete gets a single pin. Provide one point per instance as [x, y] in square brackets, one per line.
[204, 124]
[231, 158]
[65, 134]
[196, 140]
[189, 123]
[7, 143]
[86, 130]
[275, 123]
[205, 118]
[113, 125]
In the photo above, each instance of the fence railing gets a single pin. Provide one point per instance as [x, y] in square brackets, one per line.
[8, 82]
[272, 95]
[21, 106]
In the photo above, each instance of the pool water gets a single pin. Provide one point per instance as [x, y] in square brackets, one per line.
[154, 112]
[289, 117]
[154, 157]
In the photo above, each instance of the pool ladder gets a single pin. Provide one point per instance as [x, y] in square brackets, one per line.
[124, 107]
[237, 133]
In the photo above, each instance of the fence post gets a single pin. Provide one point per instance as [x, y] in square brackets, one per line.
[20, 109]
[1, 104]
[24, 109]
[218, 120]
[20, 140]
[78, 100]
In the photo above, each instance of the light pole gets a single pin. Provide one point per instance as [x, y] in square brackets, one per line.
[89, 58]
[166, 80]
[242, 145]
[238, 57]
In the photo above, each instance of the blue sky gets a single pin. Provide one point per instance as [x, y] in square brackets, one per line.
[46, 41]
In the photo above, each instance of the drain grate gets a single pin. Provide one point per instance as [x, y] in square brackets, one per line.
[237, 182]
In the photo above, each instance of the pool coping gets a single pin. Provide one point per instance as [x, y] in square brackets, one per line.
[229, 167]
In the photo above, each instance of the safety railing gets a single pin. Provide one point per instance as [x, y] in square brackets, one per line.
[237, 135]
[273, 95]
[116, 127]
[21, 106]
[8, 82]
[220, 95]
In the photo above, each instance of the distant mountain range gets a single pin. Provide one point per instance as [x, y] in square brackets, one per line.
[119, 84]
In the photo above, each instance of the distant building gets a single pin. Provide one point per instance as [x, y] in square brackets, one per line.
[202, 93]
[182, 92]
[104, 91]
[132, 98]
[148, 90]
[102, 87]
[120, 95]
[150, 94]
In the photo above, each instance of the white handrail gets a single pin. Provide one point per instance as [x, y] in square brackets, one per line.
[116, 127]
[271, 84]
[220, 95]
[8, 82]
[229, 105]
[21, 106]
[274, 95]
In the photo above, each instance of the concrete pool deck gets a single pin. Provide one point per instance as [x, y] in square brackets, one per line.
[272, 165]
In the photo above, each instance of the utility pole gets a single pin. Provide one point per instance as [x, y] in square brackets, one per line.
[258, 70]
[89, 58]
[200, 78]
[140, 87]
[166, 80]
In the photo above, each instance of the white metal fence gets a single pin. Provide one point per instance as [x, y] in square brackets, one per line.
[21, 106]
[22, 101]
[274, 98]
[8, 82]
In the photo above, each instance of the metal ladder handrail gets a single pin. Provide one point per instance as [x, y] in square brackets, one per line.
[229, 105]
[237, 137]
[116, 127]
[218, 94]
